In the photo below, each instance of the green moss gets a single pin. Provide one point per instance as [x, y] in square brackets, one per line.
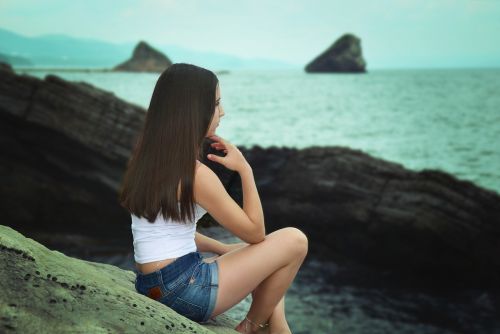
[45, 291]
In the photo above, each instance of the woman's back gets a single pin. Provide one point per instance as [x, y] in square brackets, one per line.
[164, 238]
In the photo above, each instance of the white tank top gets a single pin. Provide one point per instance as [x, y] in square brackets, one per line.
[164, 239]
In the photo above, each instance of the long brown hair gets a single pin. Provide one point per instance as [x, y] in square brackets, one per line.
[165, 153]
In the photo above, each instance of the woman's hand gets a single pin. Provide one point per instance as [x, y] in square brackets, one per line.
[233, 160]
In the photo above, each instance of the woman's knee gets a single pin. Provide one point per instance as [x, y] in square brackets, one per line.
[297, 239]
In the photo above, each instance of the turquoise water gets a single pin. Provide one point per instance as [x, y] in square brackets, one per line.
[441, 119]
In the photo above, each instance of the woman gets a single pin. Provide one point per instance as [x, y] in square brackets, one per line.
[167, 189]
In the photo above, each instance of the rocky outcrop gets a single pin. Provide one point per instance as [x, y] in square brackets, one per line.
[426, 225]
[45, 291]
[64, 146]
[61, 175]
[145, 59]
[94, 117]
[6, 67]
[344, 55]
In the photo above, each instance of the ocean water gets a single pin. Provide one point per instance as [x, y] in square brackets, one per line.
[445, 119]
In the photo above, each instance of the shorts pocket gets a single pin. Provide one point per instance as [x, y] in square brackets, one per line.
[172, 285]
[154, 292]
[185, 278]
[193, 276]
[187, 309]
[140, 287]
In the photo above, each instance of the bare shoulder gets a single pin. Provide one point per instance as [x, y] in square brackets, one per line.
[205, 181]
[198, 164]
[203, 170]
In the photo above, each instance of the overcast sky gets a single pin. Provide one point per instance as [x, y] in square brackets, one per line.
[399, 33]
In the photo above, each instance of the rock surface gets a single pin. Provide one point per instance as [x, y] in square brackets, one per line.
[344, 55]
[145, 59]
[64, 146]
[430, 226]
[63, 162]
[6, 67]
[45, 291]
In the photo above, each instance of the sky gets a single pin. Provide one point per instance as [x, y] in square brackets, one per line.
[393, 33]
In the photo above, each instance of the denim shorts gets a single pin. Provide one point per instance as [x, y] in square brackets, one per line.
[188, 286]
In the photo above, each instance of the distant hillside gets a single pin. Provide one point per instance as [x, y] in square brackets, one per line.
[15, 60]
[66, 51]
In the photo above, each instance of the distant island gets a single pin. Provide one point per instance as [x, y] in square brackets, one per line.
[344, 55]
[145, 58]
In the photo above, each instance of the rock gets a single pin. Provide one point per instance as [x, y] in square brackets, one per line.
[344, 55]
[65, 147]
[49, 292]
[355, 208]
[15, 60]
[145, 59]
[91, 116]
[6, 67]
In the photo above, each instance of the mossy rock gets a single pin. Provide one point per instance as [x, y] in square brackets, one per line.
[45, 291]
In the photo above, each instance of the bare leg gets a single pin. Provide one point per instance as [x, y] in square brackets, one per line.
[270, 265]
[278, 282]
[277, 321]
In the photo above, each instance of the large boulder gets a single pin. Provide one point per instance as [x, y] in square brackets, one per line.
[344, 55]
[427, 225]
[64, 146]
[6, 67]
[45, 291]
[145, 59]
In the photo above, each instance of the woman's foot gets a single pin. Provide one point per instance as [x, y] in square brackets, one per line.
[246, 327]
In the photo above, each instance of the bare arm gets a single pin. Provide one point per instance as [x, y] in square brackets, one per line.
[251, 200]
[212, 196]
[207, 244]
[247, 223]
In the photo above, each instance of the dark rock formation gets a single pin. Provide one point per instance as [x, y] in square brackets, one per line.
[65, 146]
[357, 208]
[45, 291]
[6, 67]
[342, 56]
[145, 59]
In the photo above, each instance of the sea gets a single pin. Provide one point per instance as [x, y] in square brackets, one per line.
[446, 119]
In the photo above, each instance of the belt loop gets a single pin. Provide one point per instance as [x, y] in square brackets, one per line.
[159, 277]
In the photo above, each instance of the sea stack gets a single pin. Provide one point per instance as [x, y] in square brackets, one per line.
[145, 59]
[344, 55]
